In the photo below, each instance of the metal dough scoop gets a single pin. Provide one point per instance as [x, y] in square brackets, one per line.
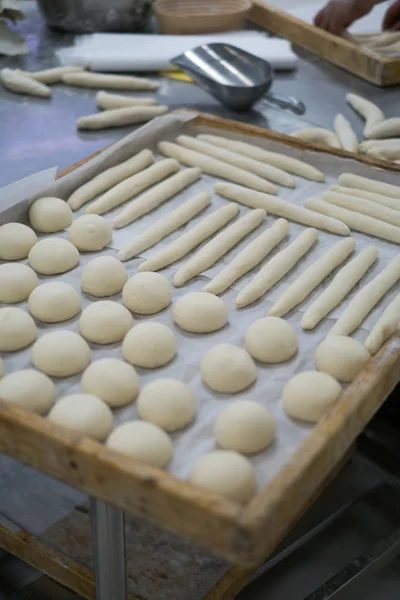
[236, 78]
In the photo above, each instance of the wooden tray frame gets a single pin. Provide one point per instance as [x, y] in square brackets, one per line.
[243, 534]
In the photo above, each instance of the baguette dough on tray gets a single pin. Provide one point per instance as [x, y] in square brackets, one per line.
[120, 117]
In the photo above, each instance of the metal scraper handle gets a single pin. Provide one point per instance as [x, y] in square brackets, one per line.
[288, 102]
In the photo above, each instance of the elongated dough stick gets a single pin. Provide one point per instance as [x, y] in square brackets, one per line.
[385, 326]
[370, 144]
[365, 300]
[280, 208]
[377, 198]
[204, 258]
[368, 110]
[389, 128]
[160, 229]
[364, 207]
[276, 268]
[110, 177]
[215, 167]
[107, 101]
[132, 186]
[286, 163]
[50, 76]
[344, 131]
[109, 82]
[369, 185]
[157, 195]
[318, 135]
[119, 117]
[18, 83]
[310, 279]
[253, 166]
[192, 238]
[248, 258]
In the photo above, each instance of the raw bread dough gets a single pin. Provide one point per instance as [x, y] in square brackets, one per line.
[112, 380]
[245, 427]
[344, 131]
[105, 322]
[30, 389]
[150, 345]
[54, 302]
[147, 293]
[90, 233]
[109, 82]
[50, 76]
[1, 368]
[144, 441]
[276, 268]
[103, 276]
[168, 403]
[271, 340]
[369, 185]
[385, 326]
[53, 255]
[228, 369]
[364, 207]
[16, 240]
[377, 198]
[389, 128]
[18, 83]
[107, 101]
[309, 395]
[49, 215]
[368, 110]
[83, 413]
[121, 117]
[226, 473]
[318, 135]
[17, 329]
[61, 353]
[209, 254]
[16, 282]
[342, 357]
[199, 312]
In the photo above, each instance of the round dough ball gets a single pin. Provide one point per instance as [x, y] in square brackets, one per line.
[228, 369]
[200, 312]
[17, 329]
[147, 293]
[84, 413]
[342, 357]
[54, 302]
[105, 322]
[271, 340]
[150, 345]
[52, 256]
[308, 395]
[168, 403]
[227, 473]
[30, 389]
[245, 426]
[16, 240]
[16, 282]
[90, 233]
[112, 380]
[144, 441]
[1, 368]
[49, 215]
[61, 353]
[103, 276]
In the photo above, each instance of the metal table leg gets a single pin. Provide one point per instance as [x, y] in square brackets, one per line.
[109, 550]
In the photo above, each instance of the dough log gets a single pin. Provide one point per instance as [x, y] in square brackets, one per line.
[377, 198]
[364, 207]
[109, 82]
[318, 135]
[119, 117]
[368, 110]
[18, 83]
[50, 76]
[385, 327]
[389, 128]
[369, 185]
[107, 101]
[344, 131]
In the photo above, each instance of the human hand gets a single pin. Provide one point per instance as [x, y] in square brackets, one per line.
[338, 15]
[391, 20]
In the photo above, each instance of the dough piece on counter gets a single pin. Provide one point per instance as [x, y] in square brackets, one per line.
[199, 312]
[309, 395]
[52, 256]
[365, 300]
[228, 369]
[280, 208]
[344, 131]
[167, 403]
[105, 322]
[147, 293]
[54, 302]
[103, 276]
[112, 380]
[109, 82]
[226, 473]
[150, 345]
[50, 76]
[107, 101]
[368, 110]
[192, 238]
[164, 226]
[216, 168]
[144, 441]
[377, 198]
[209, 254]
[85, 414]
[310, 279]
[61, 353]
[16, 240]
[17, 329]
[20, 84]
[16, 282]
[340, 286]
[1, 368]
[30, 389]
[341, 357]
[49, 215]
[318, 135]
[385, 326]
[389, 128]
[369, 185]
[120, 117]
[364, 207]
[276, 268]
[90, 233]
[271, 340]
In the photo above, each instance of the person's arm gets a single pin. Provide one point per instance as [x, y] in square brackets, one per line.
[391, 20]
[338, 15]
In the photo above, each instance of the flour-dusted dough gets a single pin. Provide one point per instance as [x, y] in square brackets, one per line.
[30, 389]
[245, 427]
[389, 128]
[340, 286]
[199, 312]
[341, 357]
[209, 254]
[309, 395]
[83, 413]
[318, 135]
[105, 322]
[226, 473]
[49, 215]
[52, 256]
[280, 208]
[120, 117]
[109, 82]
[103, 276]
[369, 185]
[364, 207]
[150, 345]
[107, 101]
[310, 279]
[90, 233]
[379, 199]
[271, 340]
[17, 329]
[50, 76]
[276, 268]
[385, 326]
[344, 132]
[61, 353]
[54, 302]
[16, 282]
[16, 240]
[228, 369]
[20, 84]
[147, 293]
[112, 380]
[144, 441]
[168, 403]
[368, 110]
